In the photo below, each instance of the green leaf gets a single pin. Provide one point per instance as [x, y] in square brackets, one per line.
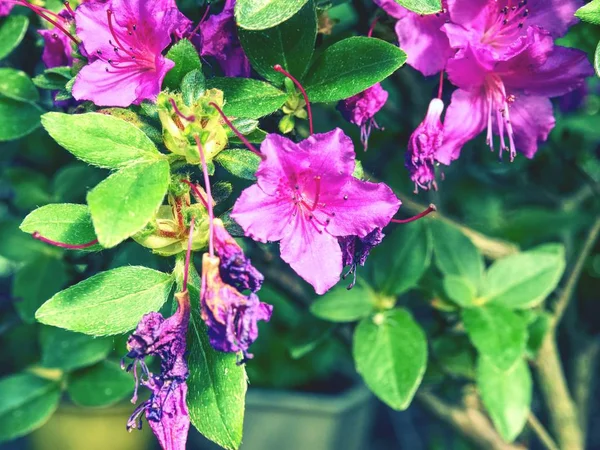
[498, 333]
[524, 280]
[397, 266]
[110, 302]
[262, 14]
[536, 331]
[422, 6]
[101, 140]
[72, 182]
[590, 12]
[54, 79]
[17, 85]
[216, 385]
[455, 254]
[248, 98]
[18, 246]
[506, 396]
[351, 66]
[127, 200]
[455, 354]
[101, 385]
[193, 86]
[239, 162]
[17, 119]
[186, 58]
[290, 44]
[12, 32]
[27, 403]
[597, 60]
[390, 352]
[62, 222]
[62, 349]
[36, 282]
[459, 290]
[343, 305]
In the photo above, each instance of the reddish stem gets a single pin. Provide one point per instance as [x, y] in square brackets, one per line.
[43, 13]
[190, 118]
[188, 255]
[441, 85]
[211, 246]
[197, 194]
[375, 20]
[429, 210]
[237, 133]
[280, 69]
[39, 237]
[191, 33]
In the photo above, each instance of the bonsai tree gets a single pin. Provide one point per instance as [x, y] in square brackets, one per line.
[162, 162]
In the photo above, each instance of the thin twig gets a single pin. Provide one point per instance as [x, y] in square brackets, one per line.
[541, 432]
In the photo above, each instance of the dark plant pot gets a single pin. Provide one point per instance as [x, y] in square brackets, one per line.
[292, 420]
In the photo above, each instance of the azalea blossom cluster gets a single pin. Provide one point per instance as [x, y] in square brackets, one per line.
[500, 55]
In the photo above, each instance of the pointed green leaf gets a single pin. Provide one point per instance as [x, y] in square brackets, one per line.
[455, 254]
[127, 200]
[524, 280]
[107, 303]
[459, 290]
[498, 333]
[193, 86]
[101, 140]
[506, 396]
[261, 14]
[343, 305]
[62, 222]
[455, 354]
[17, 119]
[390, 352]
[290, 44]
[590, 12]
[350, 66]
[248, 98]
[216, 385]
[422, 6]
[12, 32]
[101, 385]
[62, 349]
[17, 85]
[239, 162]
[27, 403]
[186, 58]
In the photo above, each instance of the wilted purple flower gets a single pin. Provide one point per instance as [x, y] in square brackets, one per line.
[423, 145]
[124, 40]
[235, 269]
[306, 197]
[58, 49]
[166, 409]
[360, 109]
[220, 40]
[230, 316]
[355, 250]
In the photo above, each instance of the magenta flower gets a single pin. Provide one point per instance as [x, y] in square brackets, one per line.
[360, 109]
[6, 7]
[124, 40]
[306, 197]
[166, 410]
[504, 61]
[58, 49]
[220, 40]
[423, 146]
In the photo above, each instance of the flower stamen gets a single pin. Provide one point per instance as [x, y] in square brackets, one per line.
[278, 68]
[240, 136]
[39, 237]
[430, 209]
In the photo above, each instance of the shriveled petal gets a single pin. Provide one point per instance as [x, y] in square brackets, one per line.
[359, 207]
[424, 41]
[315, 256]
[263, 217]
[330, 154]
[57, 49]
[465, 118]
[172, 428]
[119, 87]
[532, 119]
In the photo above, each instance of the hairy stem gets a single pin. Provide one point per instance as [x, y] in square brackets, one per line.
[470, 422]
[541, 433]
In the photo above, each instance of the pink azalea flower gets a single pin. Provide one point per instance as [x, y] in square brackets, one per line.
[220, 40]
[58, 49]
[124, 40]
[6, 7]
[506, 66]
[306, 197]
